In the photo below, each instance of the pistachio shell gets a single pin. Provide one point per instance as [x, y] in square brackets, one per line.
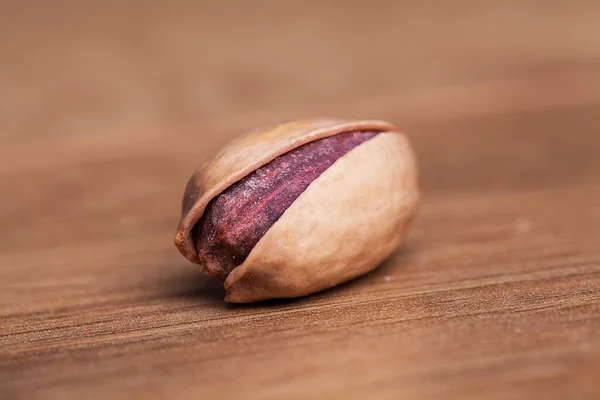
[343, 225]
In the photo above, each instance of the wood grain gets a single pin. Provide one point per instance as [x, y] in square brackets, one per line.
[107, 107]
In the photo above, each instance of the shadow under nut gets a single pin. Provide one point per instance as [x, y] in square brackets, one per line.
[236, 219]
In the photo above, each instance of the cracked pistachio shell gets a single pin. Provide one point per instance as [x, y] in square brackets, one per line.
[343, 225]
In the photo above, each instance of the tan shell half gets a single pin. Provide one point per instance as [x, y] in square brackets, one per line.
[343, 225]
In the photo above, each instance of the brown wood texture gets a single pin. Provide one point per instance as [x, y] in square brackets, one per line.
[107, 107]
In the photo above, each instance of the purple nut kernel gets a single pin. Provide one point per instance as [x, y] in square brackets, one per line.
[236, 219]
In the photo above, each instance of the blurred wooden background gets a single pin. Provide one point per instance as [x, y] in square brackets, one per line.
[107, 107]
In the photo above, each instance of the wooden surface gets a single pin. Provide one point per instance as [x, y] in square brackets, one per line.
[107, 107]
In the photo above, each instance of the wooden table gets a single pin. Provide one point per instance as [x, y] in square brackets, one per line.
[107, 107]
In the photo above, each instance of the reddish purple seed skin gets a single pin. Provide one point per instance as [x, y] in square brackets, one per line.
[235, 220]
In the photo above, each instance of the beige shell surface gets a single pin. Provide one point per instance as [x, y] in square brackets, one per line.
[244, 155]
[343, 225]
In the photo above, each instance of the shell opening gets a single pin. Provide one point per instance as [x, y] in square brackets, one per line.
[235, 220]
